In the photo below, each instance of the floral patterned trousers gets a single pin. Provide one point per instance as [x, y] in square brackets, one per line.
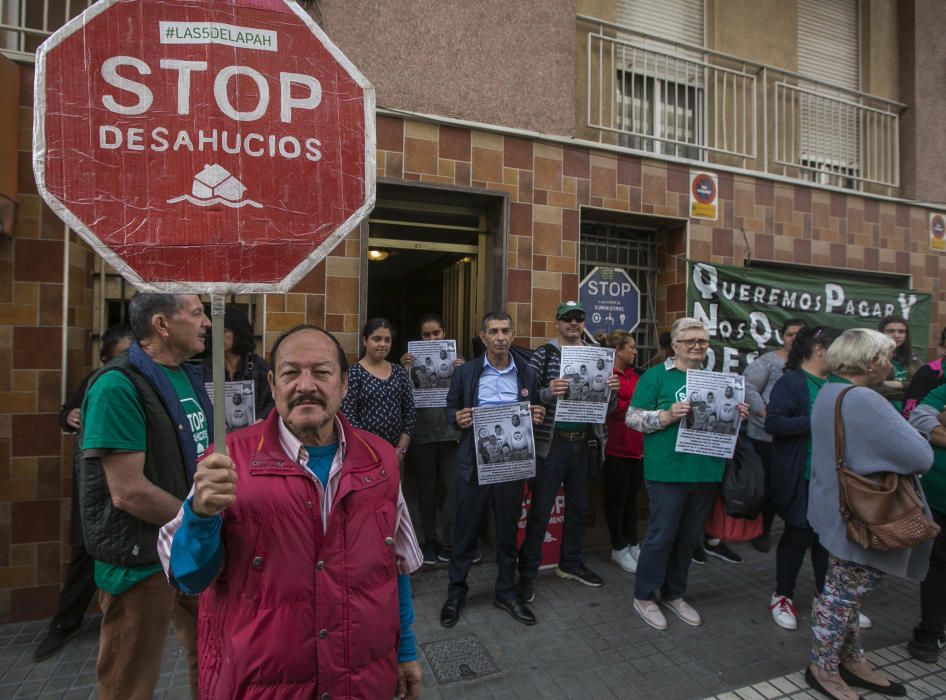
[834, 628]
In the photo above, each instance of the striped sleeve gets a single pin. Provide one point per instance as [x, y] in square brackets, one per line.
[166, 537]
[409, 557]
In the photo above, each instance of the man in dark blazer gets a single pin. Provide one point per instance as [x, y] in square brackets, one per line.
[490, 380]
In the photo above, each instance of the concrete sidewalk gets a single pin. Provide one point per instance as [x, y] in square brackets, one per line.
[589, 643]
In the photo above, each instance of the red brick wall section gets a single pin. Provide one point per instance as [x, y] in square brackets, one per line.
[547, 184]
[35, 458]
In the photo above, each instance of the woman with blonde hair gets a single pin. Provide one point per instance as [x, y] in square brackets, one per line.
[876, 440]
[681, 486]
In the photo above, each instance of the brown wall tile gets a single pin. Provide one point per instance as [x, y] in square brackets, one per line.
[33, 603]
[454, 143]
[517, 153]
[38, 261]
[34, 521]
[420, 156]
[37, 348]
[390, 134]
[576, 162]
[35, 435]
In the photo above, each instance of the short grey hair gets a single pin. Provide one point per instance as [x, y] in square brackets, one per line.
[685, 324]
[143, 307]
[856, 348]
[495, 316]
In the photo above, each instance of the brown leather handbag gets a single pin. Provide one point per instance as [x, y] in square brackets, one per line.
[883, 511]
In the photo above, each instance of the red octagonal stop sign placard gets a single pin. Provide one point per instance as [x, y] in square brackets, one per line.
[206, 146]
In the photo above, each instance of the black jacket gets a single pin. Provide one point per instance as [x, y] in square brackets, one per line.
[788, 420]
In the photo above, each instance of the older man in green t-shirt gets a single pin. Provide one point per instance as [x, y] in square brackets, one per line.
[681, 486]
[146, 419]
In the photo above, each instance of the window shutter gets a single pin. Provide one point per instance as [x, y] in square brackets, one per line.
[828, 41]
[676, 20]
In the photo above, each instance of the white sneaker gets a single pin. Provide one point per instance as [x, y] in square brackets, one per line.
[783, 612]
[624, 559]
[863, 621]
[635, 551]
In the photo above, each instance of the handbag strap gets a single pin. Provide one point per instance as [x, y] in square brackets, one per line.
[839, 430]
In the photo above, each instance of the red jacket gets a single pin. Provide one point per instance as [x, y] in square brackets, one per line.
[622, 441]
[295, 613]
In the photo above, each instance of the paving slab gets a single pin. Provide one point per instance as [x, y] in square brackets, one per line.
[589, 642]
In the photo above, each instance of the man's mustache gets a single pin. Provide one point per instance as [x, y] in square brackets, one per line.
[306, 398]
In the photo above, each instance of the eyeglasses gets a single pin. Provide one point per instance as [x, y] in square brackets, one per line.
[694, 342]
[572, 317]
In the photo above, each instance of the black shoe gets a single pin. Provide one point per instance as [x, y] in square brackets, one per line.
[525, 590]
[815, 685]
[54, 641]
[450, 612]
[762, 543]
[894, 689]
[698, 556]
[721, 551]
[519, 612]
[429, 550]
[926, 646]
[443, 552]
[477, 557]
[582, 574]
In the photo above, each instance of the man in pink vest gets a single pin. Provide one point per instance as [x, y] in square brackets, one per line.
[302, 544]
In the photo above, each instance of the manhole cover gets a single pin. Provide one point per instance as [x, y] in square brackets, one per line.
[459, 659]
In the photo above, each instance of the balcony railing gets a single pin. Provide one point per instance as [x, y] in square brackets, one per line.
[670, 98]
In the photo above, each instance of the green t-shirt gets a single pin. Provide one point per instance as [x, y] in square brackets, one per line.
[114, 420]
[658, 389]
[814, 386]
[934, 481]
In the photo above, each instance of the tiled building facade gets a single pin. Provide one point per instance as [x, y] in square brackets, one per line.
[544, 183]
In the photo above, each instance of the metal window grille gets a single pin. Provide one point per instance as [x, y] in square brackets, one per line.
[25, 24]
[634, 250]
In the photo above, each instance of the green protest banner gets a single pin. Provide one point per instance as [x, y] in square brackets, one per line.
[744, 308]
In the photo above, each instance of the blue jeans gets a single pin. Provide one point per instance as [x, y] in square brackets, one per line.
[566, 463]
[677, 514]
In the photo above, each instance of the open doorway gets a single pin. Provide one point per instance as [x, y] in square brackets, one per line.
[429, 252]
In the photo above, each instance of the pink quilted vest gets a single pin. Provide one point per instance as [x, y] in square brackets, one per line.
[295, 614]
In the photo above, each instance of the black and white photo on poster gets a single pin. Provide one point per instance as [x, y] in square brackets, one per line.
[505, 444]
[586, 368]
[712, 425]
[432, 371]
[239, 402]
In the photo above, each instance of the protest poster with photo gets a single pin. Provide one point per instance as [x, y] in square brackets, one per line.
[586, 368]
[239, 403]
[505, 444]
[432, 371]
[712, 426]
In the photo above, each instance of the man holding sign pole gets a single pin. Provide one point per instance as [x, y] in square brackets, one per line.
[302, 545]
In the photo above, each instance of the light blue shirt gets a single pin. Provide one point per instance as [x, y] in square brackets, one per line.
[498, 386]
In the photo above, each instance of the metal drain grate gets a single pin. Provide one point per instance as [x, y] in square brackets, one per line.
[462, 659]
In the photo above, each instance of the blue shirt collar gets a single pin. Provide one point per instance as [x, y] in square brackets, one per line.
[510, 368]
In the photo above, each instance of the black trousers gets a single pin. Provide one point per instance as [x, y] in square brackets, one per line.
[764, 450]
[472, 501]
[433, 463]
[77, 590]
[623, 478]
[790, 555]
[565, 465]
[933, 588]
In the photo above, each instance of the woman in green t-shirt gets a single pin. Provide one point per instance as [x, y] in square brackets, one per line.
[904, 363]
[681, 487]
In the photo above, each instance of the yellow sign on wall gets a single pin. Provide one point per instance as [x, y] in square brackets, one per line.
[704, 195]
[937, 232]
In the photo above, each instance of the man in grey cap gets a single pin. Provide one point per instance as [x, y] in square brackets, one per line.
[562, 458]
